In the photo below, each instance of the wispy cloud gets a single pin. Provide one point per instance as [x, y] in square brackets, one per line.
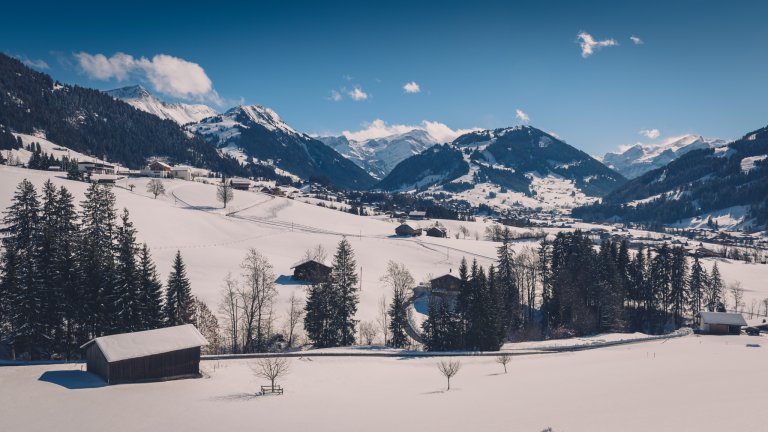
[412, 87]
[357, 94]
[167, 74]
[522, 116]
[650, 133]
[335, 96]
[589, 44]
[379, 129]
[35, 64]
[636, 40]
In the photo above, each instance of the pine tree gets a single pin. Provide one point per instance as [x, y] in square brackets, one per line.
[318, 322]
[47, 255]
[344, 281]
[507, 282]
[179, 304]
[696, 284]
[67, 269]
[678, 284]
[150, 292]
[398, 320]
[715, 289]
[127, 296]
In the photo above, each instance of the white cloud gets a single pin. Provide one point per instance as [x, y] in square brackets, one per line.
[412, 87]
[169, 75]
[636, 40]
[522, 116]
[589, 45]
[379, 129]
[650, 133]
[357, 94]
[335, 96]
[35, 64]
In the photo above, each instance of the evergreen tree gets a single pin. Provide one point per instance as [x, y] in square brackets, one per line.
[398, 320]
[696, 284]
[715, 288]
[545, 272]
[67, 269]
[179, 304]
[126, 288]
[678, 284]
[345, 299]
[318, 317]
[150, 292]
[507, 282]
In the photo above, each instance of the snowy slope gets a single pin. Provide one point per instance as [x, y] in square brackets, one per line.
[181, 113]
[378, 156]
[641, 158]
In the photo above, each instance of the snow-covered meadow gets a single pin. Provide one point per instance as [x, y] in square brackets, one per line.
[702, 383]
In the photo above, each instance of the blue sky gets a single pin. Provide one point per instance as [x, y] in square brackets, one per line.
[701, 66]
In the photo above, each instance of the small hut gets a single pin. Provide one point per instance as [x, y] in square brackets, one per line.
[436, 231]
[152, 355]
[721, 323]
[311, 271]
[445, 284]
[407, 230]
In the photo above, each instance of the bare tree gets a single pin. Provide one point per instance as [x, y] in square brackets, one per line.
[228, 306]
[271, 368]
[737, 292]
[317, 253]
[400, 281]
[156, 187]
[449, 368]
[295, 313]
[256, 296]
[504, 360]
[224, 192]
[464, 231]
[368, 332]
[383, 318]
[765, 306]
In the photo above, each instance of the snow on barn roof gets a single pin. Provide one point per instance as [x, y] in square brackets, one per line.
[305, 261]
[126, 346]
[726, 318]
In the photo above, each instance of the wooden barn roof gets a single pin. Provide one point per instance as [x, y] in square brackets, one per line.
[126, 346]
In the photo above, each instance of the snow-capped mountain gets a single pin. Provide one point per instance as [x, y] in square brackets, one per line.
[521, 164]
[378, 156]
[256, 134]
[138, 97]
[640, 158]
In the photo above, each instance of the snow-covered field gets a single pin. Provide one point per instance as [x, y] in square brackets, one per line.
[189, 218]
[694, 383]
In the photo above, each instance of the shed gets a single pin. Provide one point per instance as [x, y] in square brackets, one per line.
[311, 271]
[182, 172]
[152, 355]
[445, 284]
[407, 230]
[721, 323]
[437, 232]
[240, 183]
[417, 215]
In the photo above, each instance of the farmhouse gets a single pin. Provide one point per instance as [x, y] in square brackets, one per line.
[407, 230]
[437, 232]
[182, 172]
[240, 183]
[157, 168]
[152, 355]
[311, 271]
[721, 323]
[447, 284]
[417, 215]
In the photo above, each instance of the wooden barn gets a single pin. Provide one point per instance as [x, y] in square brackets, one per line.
[407, 230]
[152, 355]
[437, 232]
[721, 323]
[311, 271]
[445, 284]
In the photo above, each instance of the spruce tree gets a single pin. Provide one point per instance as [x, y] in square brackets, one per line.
[126, 281]
[150, 292]
[318, 322]
[179, 305]
[67, 269]
[345, 298]
[398, 320]
[696, 285]
[678, 285]
[715, 289]
[505, 270]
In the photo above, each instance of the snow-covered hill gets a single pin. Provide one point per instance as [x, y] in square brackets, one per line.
[378, 156]
[138, 97]
[640, 158]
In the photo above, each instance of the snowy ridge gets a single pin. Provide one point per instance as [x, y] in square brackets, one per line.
[229, 125]
[181, 113]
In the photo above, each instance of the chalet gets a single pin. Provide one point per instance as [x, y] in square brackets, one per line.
[181, 172]
[157, 168]
[311, 271]
[152, 355]
[240, 183]
[96, 168]
[437, 232]
[407, 230]
[417, 215]
[721, 323]
[445, 284]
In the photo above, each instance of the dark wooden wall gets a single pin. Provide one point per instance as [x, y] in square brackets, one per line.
[170, 365]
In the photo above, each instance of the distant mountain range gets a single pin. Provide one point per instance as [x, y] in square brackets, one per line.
[138, 97]
[698, 182]
[638, 159]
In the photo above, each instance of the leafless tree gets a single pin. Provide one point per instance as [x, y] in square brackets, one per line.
[256, 295]
[228, 306]
[368, 332]
[224, 192]
[156, 187]
[383, 318]
[503, 360]
[317, 253]
[449, 368]
[295, 313]
[208, 324]
[737, 292]
[765, 306]
[464, 231]
[271, 368]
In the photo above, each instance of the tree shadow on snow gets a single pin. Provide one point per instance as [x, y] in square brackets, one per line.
[288, 280]
[237, 397]
[72, 379]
